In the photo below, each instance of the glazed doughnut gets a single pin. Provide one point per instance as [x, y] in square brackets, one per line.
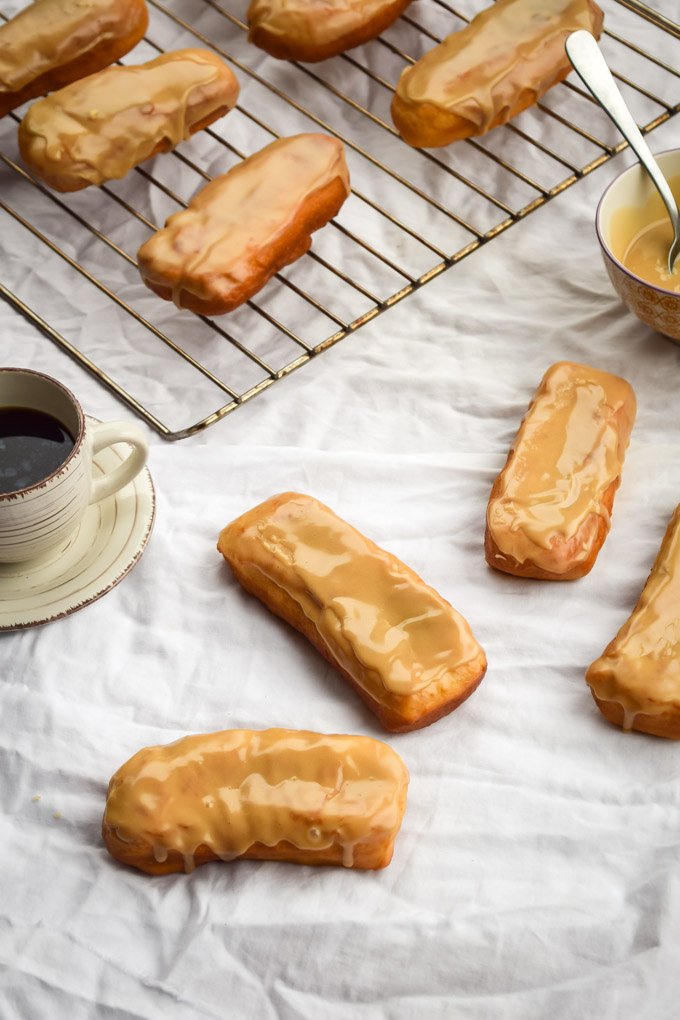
[491, 70]
[636, 680]
[401, 646]
[278, 795]
[52, 43]
[550, 506]
[246, 225]
[308, 31]
[99, 128]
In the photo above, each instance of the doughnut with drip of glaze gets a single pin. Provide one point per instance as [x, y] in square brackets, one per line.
[244, 226]
[309, 30]
[279, 795]
[636, 680]
[550, 507]
[52, 43]
[402, 647]
[98, 129]
[479, 77]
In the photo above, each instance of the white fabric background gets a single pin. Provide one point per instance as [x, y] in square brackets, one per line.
[537, 872]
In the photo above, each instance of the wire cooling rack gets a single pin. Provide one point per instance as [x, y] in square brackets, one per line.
[411, 215]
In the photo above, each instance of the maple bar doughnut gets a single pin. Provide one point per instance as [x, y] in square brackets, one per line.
[52, 43]
[636, 680]
[402, 647]
[549, 510]
[305, 30]
[491, 70]
[98, 129]
[244, 226]
[278, 795]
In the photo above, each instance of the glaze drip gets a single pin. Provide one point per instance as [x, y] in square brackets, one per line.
[382, 623]
[513, 46]
[566, 455]
[49, 33]
[238, 216]
[228, 791]
[99, 128]
[640, 668]
[312, 23]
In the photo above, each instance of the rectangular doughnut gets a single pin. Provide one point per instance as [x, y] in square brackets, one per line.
[636, 680]
[244, 226]
[278, 795]
[549, 510]
[51, 43]
[479, 77]
[99, 128]
[402, 647]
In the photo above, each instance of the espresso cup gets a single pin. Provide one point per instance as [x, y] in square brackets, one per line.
[37, 518]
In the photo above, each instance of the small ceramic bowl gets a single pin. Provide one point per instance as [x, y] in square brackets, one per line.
[630, 197]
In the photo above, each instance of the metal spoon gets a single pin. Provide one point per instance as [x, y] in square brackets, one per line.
[591, 67]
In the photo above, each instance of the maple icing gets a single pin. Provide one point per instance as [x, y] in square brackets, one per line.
[99, 128]
[568, 451]
[647, 256]
[640, 668]
[314, 23]
[226, 230]
[640, 237]
[512, 46]
[229, 790]
[382, 623]
[50, 33]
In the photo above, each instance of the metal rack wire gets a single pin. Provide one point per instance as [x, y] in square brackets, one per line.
[412, 214]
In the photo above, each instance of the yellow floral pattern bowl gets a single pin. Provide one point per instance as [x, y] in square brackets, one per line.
[632, 199]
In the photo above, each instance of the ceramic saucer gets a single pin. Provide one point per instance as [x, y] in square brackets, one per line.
[108, 542]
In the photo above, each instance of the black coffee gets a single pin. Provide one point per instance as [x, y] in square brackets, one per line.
[32, 446]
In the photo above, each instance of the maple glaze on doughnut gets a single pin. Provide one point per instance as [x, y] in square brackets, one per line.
[98, 129]
[550, 507]
[636, 680]
[402, 647]
[244, 226]
[489, 71]
[51, 43]
[310, 30]
[281, 795]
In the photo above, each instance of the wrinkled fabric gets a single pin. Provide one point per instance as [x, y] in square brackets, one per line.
[537, 873]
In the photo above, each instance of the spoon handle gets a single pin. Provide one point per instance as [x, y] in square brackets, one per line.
[591, 67]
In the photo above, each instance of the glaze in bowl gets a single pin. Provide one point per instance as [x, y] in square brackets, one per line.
[630, 194]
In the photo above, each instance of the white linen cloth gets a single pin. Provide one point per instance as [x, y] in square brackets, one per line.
[537, 873]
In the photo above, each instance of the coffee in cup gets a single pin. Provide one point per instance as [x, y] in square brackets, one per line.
[47, 447]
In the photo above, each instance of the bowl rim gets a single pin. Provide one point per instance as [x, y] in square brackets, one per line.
[605, 247]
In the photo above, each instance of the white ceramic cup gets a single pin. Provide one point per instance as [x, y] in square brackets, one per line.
[35, 519]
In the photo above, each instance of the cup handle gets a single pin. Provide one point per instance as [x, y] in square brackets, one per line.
[106, 435]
